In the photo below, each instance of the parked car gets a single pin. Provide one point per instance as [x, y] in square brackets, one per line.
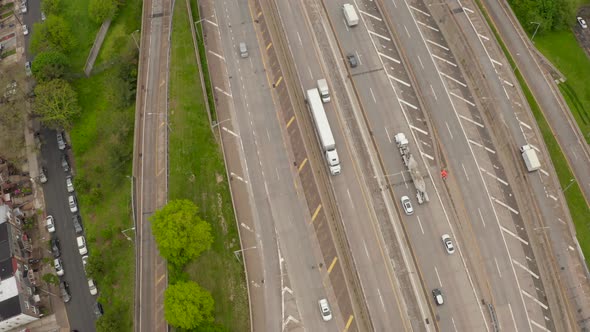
[43, 175]
[69, 183]
[61, 142]
[25, 30]
[64, 163]
[98, 309]
[352, 61]
[59, 270]
[438, 296]
[84, 262]
[23, 8]
[92, 287]
[448, 243]
[77, 221]
[50, 223]
[582, 22]
[72, 203]
[64, 288]
[81, 241]
[407, 205]
[55, 247]
[325, 310]
[28, 68]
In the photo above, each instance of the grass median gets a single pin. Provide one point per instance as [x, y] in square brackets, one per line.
[576, 202]
[197, 173]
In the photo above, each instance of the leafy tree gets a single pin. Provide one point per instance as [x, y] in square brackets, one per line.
[102, 10]
[50, 278]
[180, 233]
[53, 34]
[95, 266]
[56, 103]
[188, 306]
[51, 6]
[49, 65]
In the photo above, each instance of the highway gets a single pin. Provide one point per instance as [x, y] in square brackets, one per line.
[150, 162]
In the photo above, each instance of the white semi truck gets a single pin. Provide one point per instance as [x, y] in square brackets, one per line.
[352, 19]
[530, 158]
[324, 91]
[324, 132]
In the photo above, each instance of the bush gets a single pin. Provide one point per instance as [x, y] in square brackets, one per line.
[102, 10]
[49, 65]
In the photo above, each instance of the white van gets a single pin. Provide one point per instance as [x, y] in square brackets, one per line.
[82, 245]
[243, 50]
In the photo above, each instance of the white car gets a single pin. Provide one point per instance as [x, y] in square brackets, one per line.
[58, 267]
[325, 310]
[448, 243]
[43, 16]
[72, 204]
[61, 143]
[582, 22]
[84, 262]
[407, 205]
[69, 184]
[92, 287]
[23, 8]
[438, 296]
[81, 241]
[50, 223]
[25, 30]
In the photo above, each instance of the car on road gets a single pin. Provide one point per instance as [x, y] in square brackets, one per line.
[243, 50]
[72, 203]
[69, 184]
[84, 262]
[448, 243]
[98, 309]
[28, 68]
[438, 296]
[92, 287]
[23, 8]
[25, 30]
[59, 270]
[81, 241]
[50, 223]
[61, 142]
[582, 22]
[43, 175]
[352, 61]
[325, 310]
[64, 163]
[64, 288]
[407, 205]
[77, 221]
[55, 247]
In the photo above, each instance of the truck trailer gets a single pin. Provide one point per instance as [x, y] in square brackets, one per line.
[529, 155]
[324, 91]
[324, 132]
[352, 19]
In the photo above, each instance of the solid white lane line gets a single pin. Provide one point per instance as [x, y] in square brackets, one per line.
[498, 267]
[229, 131]
[444, 60]
[540, 326]
[371, 16]
[399, 81]
[505, 205]
[535, 299]
[419, 130]
[407, 104]
[217, 55]
[512, 315]
[468, 10]
[524, 124]
[420, 224]
[427, 26]
[378, 35]
[420, 11]
[437, 44]
[427, 155]
[373, 95]
[483, 37]
[454, 79]
[472, 121]
[505, 230]
[224, 92]
[463, 99]
[496, 62]
[389, 58]
[481, 217]
[536, 276]
[433, 93]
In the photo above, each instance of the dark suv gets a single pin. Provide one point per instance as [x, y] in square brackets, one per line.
[352, 61]
[77, 221]
[55, 247]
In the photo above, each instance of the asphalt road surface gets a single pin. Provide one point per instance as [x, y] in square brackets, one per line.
[150, 162]
[80, 308]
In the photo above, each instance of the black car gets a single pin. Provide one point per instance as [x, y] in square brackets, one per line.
[64, 163]
[55, 247]
[352, 60]
[64, 289]
[98, 309]
[77, 221]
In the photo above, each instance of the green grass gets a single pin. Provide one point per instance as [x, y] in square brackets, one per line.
[83, 28]
[576, 202]
[197, 172]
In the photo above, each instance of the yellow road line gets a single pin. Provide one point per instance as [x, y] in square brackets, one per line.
[162, 277]
[279, 81]
[348, 323]
[332, 265]
[315, 214]
[291, 121]
[268, 46]
[302, 164]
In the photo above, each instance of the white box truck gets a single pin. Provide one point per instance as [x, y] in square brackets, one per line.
[530, 158]
[352, 19]
[324, 91]
[324, 132]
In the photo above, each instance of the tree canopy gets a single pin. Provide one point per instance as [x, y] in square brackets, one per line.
[101, 10]
[550, 14]
[49, 65]
[188, 306]
[54, 34]
[50, 6]
[56, 103]
[180, 233]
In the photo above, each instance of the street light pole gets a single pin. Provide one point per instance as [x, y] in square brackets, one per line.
[569, 185]
[537, 29]
[135, 40]
[218, 123]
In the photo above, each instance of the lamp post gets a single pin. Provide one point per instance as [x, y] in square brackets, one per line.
[135, 40]
[126, 230]
[215, 124]
[569, 185]
[537, 29]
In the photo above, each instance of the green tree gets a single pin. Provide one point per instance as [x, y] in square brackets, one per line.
[49, 65]
[101, 10]
[188, 306]
[52, 35]
[50, 278]
[180, 233]
[51, 6]
[56, 103]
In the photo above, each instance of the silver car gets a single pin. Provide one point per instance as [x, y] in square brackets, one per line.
[407, 205]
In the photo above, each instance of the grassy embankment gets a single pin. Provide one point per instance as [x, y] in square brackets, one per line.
[102, 142]
[573, 195]
[197, 173]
